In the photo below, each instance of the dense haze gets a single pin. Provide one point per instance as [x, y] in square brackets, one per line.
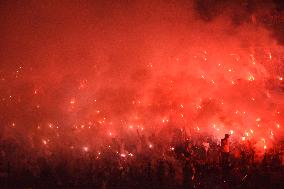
[76, 73]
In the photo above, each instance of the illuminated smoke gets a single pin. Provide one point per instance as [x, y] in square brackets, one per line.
[82, 73]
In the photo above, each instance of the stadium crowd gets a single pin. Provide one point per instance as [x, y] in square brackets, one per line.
[200, 162]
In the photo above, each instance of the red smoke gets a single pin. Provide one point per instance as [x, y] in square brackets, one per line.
[78, 74]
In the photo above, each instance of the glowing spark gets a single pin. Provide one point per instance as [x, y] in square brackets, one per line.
[165, 120]
[198, 107]
[270, 55]
[85, 148]
[244, 177]
[231, 132]
[72, 101]
[250, 77]
[150, 146]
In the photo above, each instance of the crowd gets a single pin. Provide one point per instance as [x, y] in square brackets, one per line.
[149, 163]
